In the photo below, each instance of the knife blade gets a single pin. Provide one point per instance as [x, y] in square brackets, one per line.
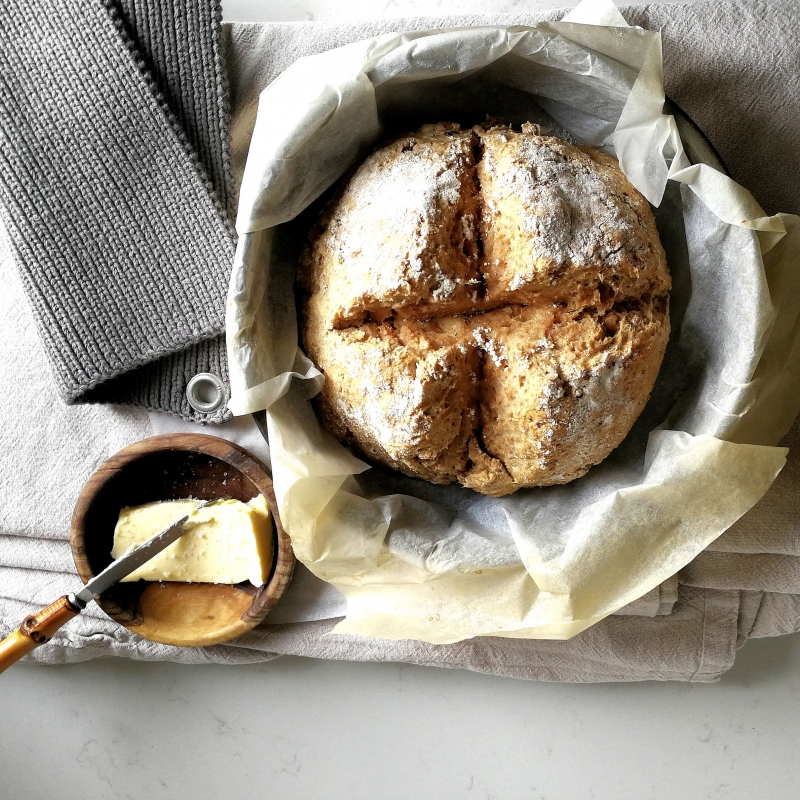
[124, 565]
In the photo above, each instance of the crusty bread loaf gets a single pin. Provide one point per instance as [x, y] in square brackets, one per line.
[488, 306]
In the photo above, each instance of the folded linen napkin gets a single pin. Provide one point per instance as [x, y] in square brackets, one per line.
[697, 641]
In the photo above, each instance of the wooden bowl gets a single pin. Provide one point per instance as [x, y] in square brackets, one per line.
[171, 467]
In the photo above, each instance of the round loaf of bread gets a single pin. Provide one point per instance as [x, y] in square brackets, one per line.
[488, 306]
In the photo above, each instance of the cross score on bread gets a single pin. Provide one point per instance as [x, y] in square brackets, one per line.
[488, 306]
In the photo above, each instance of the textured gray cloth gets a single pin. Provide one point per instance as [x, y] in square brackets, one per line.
[732, 65]
[180, 45]
[115, 206]
[745, 586]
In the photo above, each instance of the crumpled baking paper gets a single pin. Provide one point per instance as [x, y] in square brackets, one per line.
[442, 563]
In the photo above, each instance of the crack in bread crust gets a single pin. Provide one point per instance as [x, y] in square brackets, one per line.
[488, 306]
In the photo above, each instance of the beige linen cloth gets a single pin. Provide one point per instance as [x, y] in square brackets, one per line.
[733, 66]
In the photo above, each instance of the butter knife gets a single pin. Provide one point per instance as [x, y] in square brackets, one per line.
[39, 628]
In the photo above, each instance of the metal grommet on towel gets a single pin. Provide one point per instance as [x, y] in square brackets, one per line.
[206, 393]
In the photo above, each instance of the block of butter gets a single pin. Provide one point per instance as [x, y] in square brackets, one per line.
[227, 542]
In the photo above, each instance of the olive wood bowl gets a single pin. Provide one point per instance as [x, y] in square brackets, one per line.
[172, 467]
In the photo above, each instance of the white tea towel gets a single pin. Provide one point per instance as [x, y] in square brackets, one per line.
[747, 585]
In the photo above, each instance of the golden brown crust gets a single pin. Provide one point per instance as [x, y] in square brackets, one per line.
[488, 307]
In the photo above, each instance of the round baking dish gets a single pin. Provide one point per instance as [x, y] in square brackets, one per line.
[171, 467]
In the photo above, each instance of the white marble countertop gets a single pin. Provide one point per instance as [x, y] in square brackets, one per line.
[298, 728]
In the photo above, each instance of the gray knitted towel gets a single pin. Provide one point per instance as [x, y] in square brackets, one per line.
[115, 190]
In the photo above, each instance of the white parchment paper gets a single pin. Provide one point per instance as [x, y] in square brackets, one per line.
[444, 563]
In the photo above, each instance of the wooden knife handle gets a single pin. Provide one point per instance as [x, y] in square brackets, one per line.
[36, 629]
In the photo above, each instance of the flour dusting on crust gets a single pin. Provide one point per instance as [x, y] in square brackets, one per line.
[488, 306]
